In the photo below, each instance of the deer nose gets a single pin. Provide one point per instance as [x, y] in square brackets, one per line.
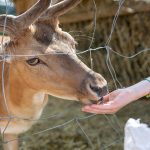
[99, 91]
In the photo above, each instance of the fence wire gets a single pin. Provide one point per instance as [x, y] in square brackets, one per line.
[76, 120]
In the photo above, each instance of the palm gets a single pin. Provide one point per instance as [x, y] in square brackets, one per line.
[113, 102]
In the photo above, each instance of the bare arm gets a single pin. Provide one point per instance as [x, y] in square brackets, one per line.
[140, 89]
[115, 100]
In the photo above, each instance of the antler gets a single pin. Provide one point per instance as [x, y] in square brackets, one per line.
[15, 24]
[59, 9]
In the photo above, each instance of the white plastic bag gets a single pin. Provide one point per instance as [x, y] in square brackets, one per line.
[137, 135]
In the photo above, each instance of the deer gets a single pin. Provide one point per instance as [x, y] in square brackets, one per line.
[39, 60]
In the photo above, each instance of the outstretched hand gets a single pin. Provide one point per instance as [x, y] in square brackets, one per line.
[112, 102]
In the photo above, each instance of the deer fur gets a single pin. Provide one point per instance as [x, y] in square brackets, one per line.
[29, 71]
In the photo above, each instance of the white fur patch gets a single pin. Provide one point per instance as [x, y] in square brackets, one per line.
[38, 98]
[17, 126]
[64, 97]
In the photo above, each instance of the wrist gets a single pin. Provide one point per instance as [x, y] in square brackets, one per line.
[140, 89]
[131, 93]
[147, 79]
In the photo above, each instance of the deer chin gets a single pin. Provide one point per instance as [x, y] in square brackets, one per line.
[84, 101]
[92, 101]
[72, 98]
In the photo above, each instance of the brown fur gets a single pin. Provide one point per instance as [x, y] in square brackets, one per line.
[26, 86]
[23, 5]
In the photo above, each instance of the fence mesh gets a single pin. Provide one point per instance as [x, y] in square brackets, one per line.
[67, 127]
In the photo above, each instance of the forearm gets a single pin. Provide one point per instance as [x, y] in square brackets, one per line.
[140, 89]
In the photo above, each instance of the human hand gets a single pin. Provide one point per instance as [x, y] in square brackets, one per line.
[112, 103]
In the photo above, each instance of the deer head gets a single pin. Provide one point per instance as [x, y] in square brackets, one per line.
[44, 57]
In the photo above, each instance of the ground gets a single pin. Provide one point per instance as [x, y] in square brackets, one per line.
[104, 133]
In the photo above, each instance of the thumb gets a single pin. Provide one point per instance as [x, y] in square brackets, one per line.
[106, 98]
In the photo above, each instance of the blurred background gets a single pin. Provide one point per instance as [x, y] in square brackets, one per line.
[90, 24]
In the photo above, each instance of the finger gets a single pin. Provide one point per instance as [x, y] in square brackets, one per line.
[106, 98]
[97, 111]
[105, 106]
[109, 105]
[94, 111]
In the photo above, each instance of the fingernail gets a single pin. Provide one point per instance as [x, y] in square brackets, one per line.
[86, 107]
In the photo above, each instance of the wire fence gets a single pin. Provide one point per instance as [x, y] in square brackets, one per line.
[113, 122]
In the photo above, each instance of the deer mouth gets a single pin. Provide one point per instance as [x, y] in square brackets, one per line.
[90, 102]
[99, 101]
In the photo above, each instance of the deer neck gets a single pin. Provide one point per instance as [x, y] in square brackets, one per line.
[21, 99]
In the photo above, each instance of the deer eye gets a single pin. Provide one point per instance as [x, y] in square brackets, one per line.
[33, 61]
